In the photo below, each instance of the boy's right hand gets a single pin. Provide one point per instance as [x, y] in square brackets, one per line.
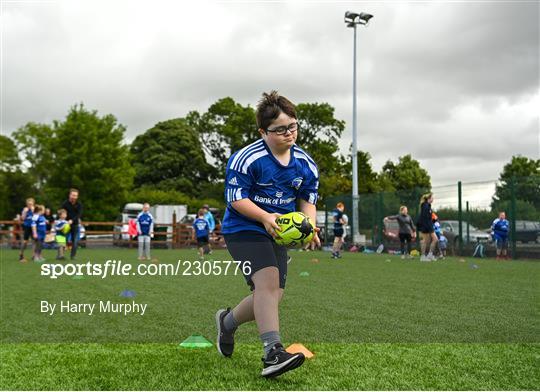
[269, 222]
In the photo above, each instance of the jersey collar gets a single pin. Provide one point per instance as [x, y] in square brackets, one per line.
[291, 160]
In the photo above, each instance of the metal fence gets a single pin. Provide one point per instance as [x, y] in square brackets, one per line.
[466, 212]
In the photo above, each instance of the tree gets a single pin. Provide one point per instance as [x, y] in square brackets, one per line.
[89, 155]
[170, 156]
[367, 177]
[147, 194]
[224, 128]
[35, 142]
[319, 136]
[15, 185]
[406, 174]
[9, 156]
[525, 174]
[407, 179]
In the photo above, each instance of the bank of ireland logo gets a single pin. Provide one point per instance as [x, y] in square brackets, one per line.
[297, 182]
[279, 194]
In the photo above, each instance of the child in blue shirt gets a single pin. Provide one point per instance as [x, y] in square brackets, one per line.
[265, 179]
[500, 229]
[60, 227]
[26, 219]
[145, 231]
[443, 245]
[201, 231]
[39, 231]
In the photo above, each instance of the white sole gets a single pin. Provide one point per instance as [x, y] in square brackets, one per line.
[276, 368]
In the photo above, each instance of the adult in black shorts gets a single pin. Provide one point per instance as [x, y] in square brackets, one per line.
[425, 225]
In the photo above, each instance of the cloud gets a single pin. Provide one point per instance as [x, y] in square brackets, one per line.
[454, 84]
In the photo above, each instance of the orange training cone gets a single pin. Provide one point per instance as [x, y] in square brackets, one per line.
[300, 348]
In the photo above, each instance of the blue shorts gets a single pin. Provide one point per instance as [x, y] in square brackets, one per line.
[501, 243]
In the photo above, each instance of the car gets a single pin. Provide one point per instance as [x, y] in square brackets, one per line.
[450, 229]
[527, 231]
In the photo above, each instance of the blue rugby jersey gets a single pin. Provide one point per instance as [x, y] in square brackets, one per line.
[28, 219]
[500, 228]
[145, 223]
[40, 223]
[202, 228]
[337, 214]
[59, 226]
[253, 172]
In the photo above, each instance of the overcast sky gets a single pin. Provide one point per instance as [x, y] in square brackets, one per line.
[455, 84]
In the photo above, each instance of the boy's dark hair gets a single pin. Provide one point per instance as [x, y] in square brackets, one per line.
[38, 208]
[270, 106]
[201, 212]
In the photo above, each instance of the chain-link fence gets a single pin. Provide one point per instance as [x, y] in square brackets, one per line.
[465, 211]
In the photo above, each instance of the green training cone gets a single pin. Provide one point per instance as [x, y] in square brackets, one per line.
[304, 273]
[196, 341]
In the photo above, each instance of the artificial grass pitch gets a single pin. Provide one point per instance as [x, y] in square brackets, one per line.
[372, 324]
[335, 367]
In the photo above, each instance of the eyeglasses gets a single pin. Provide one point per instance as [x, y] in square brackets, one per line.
[292, 128]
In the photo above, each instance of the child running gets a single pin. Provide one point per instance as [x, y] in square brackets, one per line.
[201, 231]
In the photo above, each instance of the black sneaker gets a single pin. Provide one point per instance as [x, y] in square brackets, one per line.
[280, 361]
[225, 339]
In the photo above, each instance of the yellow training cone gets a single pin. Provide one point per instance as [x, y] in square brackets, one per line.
[300, 348]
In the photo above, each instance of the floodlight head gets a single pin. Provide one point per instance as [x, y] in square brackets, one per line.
[365, 17]
[352, 18]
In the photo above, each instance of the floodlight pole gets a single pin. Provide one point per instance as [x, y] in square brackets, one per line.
[353, 19]
[356, 220]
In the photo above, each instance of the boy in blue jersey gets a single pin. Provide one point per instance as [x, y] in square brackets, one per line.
[59, 228]
[264, 180]
[499, 230]
[39, 231]
[337, 215]
[145, 231]
[211, 223]
[26, 220]
[201, 231]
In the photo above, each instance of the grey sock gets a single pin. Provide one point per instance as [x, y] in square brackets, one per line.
[270, 339]
[229, 322]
